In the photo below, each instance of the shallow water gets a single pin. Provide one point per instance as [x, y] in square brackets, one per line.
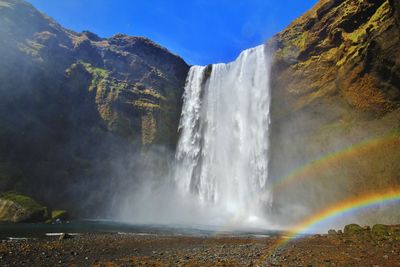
[42, 230]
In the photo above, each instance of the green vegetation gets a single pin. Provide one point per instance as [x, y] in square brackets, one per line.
[59, 214]
[352, 229]
[98, 75]
[22, 200]
[294, 41]
[381, 230]
[94, 70]
[23, 209]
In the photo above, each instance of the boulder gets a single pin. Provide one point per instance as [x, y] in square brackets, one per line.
[59, 215]
[353, 229]
[16, 208]
[381, 230]
[332, 232]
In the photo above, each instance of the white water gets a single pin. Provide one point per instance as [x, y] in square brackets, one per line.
[222, 154]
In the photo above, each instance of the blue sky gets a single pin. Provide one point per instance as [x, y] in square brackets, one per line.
[200, 31]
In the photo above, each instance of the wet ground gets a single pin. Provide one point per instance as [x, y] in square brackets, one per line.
[111, 249]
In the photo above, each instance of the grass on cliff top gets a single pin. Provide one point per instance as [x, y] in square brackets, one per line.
[22, 200]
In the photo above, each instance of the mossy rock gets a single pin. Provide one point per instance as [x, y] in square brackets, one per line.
[59, 214]
[381, 230]
[353, 229]
[16, 208]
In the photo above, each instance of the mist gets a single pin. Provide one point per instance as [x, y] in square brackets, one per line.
[146, 192]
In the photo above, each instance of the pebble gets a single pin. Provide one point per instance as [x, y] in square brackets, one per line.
[203, 254]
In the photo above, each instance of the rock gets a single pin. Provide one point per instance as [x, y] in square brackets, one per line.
[59, 214]
[352, 229]
[332, 232]
[16, 208]
[64, 236]
[381, 230]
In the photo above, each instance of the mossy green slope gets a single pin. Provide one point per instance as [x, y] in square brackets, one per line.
[15, 207]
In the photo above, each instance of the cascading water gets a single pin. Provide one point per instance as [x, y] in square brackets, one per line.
[222, 154]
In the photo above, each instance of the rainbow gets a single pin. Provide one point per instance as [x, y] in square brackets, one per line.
[340, 208]
[322, 163]
[328, 160]
[343, 207]
[333, 211]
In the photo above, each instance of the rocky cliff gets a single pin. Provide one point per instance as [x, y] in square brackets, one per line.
[336, 100]
[72, 103]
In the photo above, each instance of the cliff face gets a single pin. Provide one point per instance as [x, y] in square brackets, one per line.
[131, 79]
[336, 100]
[72, 102]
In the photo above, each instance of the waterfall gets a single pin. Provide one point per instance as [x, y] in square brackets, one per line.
[222, 153]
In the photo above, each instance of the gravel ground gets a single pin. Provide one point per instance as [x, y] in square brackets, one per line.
[159, 250]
